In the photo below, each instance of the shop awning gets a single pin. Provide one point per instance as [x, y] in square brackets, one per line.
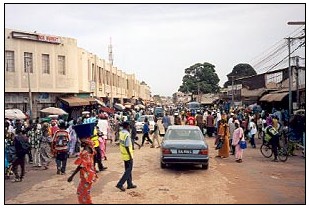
[75, 101]
[275, 97]
[92, 101]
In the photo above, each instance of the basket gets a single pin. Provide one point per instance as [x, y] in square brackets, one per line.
[84, 130]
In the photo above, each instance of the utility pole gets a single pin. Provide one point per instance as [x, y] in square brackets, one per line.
[233, 91]
[297, 81]
[290, 78]
[290, 71]
[111, 60]
[27, 62]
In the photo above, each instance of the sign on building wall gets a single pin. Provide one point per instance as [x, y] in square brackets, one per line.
[237, 88]
[44, 98]
[36, 37]
[92, 85]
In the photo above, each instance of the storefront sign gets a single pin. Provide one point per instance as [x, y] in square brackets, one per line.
[36, 37]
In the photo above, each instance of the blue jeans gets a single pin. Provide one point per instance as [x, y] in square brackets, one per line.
[61, 161]
[252, 141]
[127, 175]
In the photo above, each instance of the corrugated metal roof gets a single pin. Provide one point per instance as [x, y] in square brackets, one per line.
[274, 97]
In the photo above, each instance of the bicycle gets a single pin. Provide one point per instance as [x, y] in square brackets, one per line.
[266, 149]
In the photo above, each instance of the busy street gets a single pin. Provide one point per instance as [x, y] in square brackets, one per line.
[257, 180]
[172, 103]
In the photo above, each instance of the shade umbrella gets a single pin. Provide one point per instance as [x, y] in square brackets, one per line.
[128, 106]
[118, 106]
[54, 111]
[14, 114]
[141, 106]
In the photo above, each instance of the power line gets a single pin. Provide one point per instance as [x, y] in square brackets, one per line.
[286, 57]
[299, 29]
[277, 51]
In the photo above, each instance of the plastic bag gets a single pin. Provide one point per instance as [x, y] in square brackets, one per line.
[243, 144]
[219, 144]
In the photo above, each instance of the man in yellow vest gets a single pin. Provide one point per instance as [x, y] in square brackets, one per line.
[125, 144]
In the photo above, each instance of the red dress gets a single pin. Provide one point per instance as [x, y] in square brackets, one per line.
[87, 176]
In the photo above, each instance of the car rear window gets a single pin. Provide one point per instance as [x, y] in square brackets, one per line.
[183, 134]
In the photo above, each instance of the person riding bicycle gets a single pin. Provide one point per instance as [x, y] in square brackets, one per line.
[272, 137]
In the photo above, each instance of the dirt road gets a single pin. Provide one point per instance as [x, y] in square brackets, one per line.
[255, 181]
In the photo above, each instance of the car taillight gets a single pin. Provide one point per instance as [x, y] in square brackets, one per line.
[166, 151]
[203, 152]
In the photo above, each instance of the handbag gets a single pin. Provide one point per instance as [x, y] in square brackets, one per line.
[243, 144]
[219, 144]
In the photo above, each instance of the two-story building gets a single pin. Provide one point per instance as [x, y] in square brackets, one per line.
[54, 71]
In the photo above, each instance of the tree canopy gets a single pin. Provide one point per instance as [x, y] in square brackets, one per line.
[240, 71]
[200, 77]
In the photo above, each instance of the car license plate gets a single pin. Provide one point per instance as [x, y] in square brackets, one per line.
[184, 151]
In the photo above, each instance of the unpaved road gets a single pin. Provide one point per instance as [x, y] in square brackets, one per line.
[255, 181]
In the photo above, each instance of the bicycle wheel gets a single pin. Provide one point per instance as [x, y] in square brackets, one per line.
[283, 154]
[266, 151]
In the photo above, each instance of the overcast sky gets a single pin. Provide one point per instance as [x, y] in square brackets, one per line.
[158, 42]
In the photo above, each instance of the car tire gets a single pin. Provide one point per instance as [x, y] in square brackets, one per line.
[163, 166]
[205, 166]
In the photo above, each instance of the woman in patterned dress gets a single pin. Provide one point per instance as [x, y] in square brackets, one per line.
[87, 172]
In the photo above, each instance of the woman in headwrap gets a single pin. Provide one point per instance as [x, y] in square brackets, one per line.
[87, 172]
[224, 134]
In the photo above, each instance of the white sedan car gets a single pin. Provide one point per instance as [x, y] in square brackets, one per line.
[140, 123]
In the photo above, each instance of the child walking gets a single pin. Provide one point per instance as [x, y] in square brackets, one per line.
[87, 172]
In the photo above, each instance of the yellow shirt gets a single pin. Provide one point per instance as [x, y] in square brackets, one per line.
[95, 138]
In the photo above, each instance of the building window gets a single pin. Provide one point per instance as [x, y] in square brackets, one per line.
[100, 75]
[61, 65]
[92, 72]
[45, 64]
[274, 77]
[28, 62]
[9, 61]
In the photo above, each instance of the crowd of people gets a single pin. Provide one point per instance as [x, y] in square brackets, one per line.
[242, 124]
[42, 141]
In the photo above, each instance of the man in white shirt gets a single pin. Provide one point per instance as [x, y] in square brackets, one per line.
[252, 132]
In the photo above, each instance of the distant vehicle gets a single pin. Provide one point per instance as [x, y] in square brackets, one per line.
[184, 145]
[158, 112]
[194, 106]
[301, 112]
[140, 123]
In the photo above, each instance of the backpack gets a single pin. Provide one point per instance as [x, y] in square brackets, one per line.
[25, 146]
[61, 140]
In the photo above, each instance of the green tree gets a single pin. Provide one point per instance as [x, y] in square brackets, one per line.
[240, 71]
[200, 78]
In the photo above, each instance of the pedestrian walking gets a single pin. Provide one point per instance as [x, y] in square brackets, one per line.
[134, 137]
[238, 135]
[87, 172]
[166, 121]
[60, 147]
[97, 156]
[73, 138]
[22, 146]
[34, 136]
[155, 136]
[210, 124]
[252, 132]
[125, 145]
[44, 150]
[223, 134]
[146, 132]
